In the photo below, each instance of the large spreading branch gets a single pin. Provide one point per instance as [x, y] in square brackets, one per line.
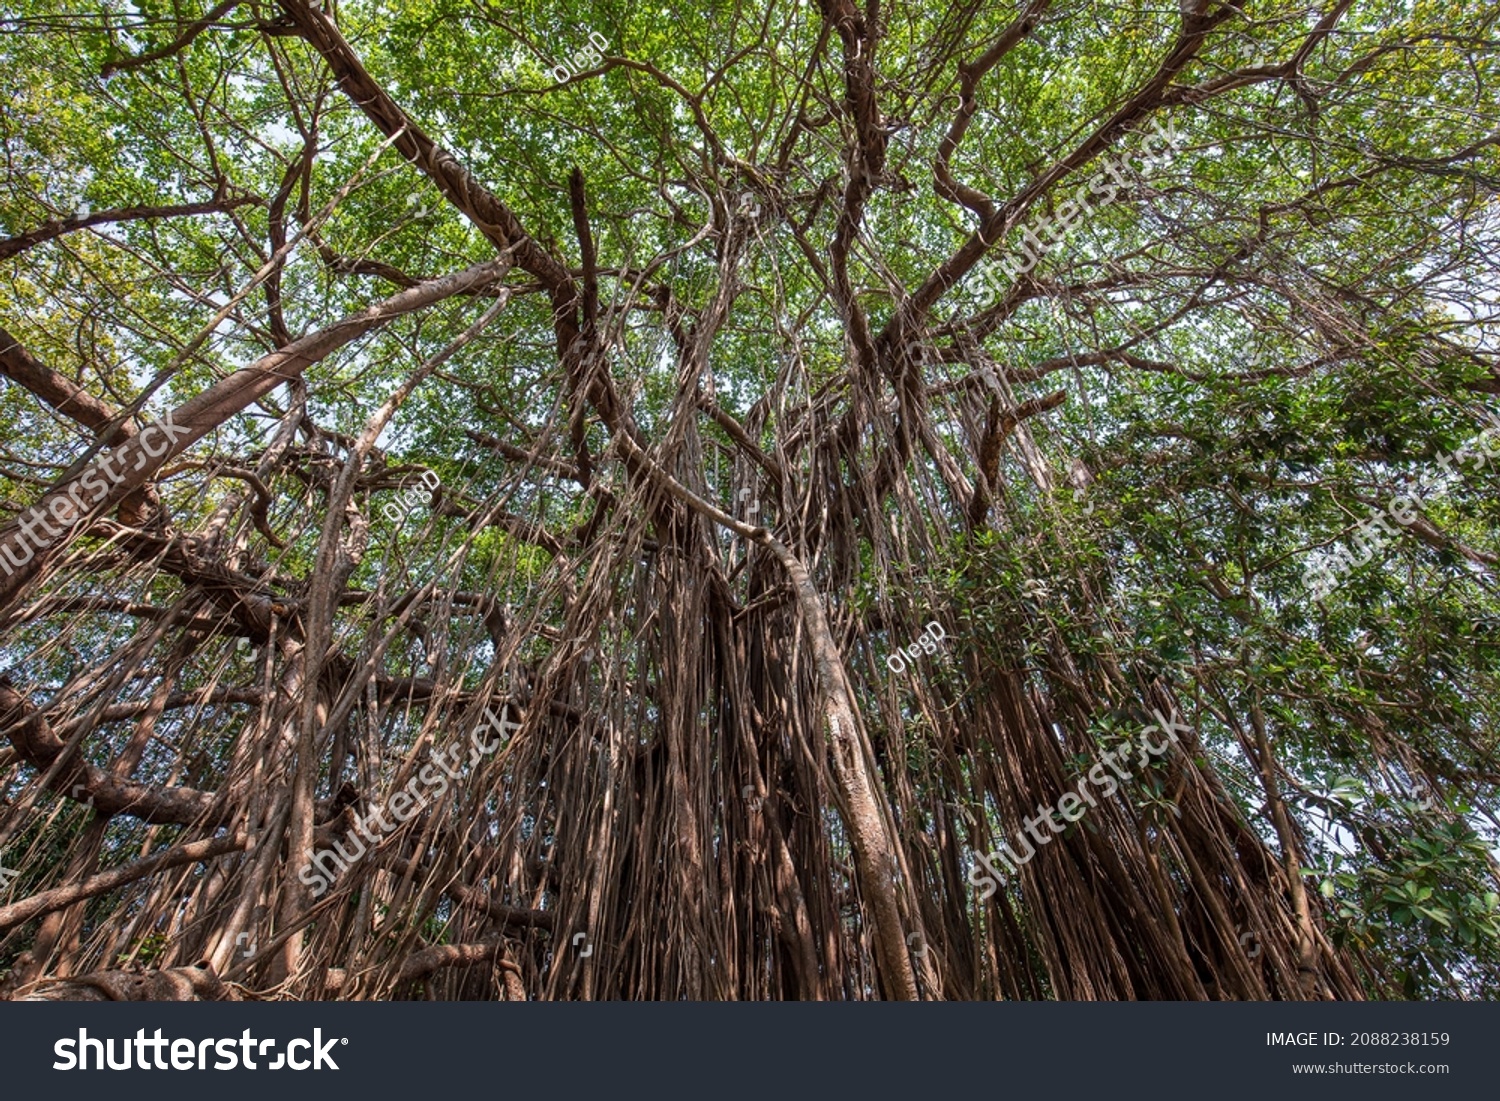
[64, 504]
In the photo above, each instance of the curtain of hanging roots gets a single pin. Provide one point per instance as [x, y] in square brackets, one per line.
[667, 820]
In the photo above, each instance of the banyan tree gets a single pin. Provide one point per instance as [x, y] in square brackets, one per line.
[486, 515]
